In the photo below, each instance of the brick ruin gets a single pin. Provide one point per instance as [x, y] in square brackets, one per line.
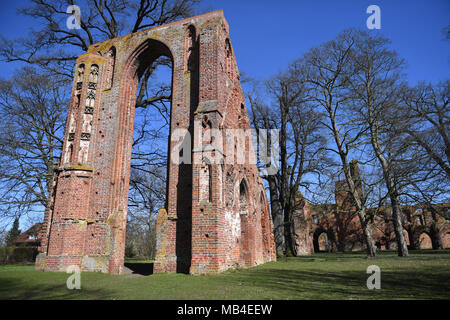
[216, 215]
[335, 227]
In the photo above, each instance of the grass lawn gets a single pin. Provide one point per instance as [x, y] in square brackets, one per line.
[423, 275]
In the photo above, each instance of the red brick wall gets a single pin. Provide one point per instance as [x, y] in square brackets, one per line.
[204, 228]
[343, 227]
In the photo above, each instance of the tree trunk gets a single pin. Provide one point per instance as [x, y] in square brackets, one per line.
[387, 243]
[367, 234]
[289, 238]
[277, 215]
[411, 236]
[435, 235]
[402, 248]
[361, 210]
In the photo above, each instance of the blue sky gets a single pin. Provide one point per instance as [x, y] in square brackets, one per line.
[268, 34]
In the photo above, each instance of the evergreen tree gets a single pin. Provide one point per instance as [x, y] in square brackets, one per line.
[13, 233]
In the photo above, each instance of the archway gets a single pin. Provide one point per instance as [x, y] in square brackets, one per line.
[178, 174]
[425, 241]
[148, 173]
[85, 222]
[446, 240]
[137, 65]
[321, 241]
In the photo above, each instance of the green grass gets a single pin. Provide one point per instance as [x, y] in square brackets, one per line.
[423, 275]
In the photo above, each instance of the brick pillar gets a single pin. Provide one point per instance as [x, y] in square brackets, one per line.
[72, 233]
[173, 247]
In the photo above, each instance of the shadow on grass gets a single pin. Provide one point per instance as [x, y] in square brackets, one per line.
[362, 255]
[320, 276]
[401, 284]
[17, 289]
[429, 251]
[144, 269]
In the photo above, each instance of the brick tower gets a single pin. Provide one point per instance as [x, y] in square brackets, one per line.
[217, 214]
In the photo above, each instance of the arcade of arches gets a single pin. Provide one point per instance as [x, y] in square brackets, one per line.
[336, 227]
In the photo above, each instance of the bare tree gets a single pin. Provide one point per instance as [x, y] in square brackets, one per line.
[31, 128]
[423, 128]
[301, 149]
[373, 81]
[425, 109]
[2, 239]
[53, 47]
[147, 196]
[265, 118]
[325, 70]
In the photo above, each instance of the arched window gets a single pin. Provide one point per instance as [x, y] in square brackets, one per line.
[80, 73]
[243, 194]
[323, 242]
[90, 98]
[315, 219]
[76, 100]
[205, 181]
[221, 180]
[72, 124]
[241, 117]
[83, 153]
[190, 45]
[93, 75]
[420, 219]
[263, 221]
[69, 153]
[228, 58]
[229, 187]
[206, 131]
[109, 69]
[419, 216]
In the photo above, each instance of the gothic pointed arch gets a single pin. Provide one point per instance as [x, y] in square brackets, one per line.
[109, 68]
[86, 222]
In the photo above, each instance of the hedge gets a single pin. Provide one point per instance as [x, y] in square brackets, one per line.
[10, 255]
